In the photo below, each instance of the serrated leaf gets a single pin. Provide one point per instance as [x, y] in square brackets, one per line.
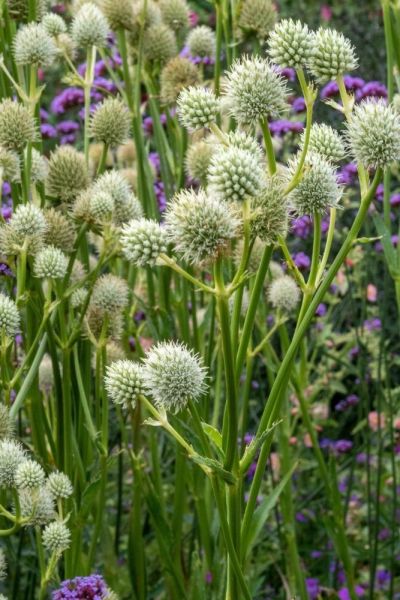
[215, 467]
[254, 446]
[213, 434]
[152, 422]
[367, 240]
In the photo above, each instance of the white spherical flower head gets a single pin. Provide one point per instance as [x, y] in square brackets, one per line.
[244, 141]
[200, 226]
[9, 165]
[284, 293]
[142, 241]
[11, 456]
[110, 293]
[59, 485]
[111, 121]
[9, 317]
[201, 42]
[374, 134]
[28, 220]
[34, 46]
[124, 382]
[89, 27]
[290, 44]
[197, 108]
[318, 189]
[255, 90]
[326, 142]
[37, 506]
[50, 263]
[17, 125]
[56, 537]
[101, 206]
[234, 174]
[173, 375]
[270, 211]
[29, 475]
[54, 24]
[332, 55]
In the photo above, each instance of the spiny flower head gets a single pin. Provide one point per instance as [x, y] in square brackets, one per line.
[34, 46]
[235, 174]
[111, 122]
[60, 231]
[159, 44]
[200, 226]
[110, 293]
[39, 166]
[56, 537]
[374, 134]
[284, 293]
[54, 24]
[242, 140]
[38, 506]
[318, 189]
[332, 55]
[326, 142]
[201, 42]
[173, 375]
[89, 27]
[59, 485]
[17, 125]
[119, 14]
[175, 14]
[50, 263]
[197, 108]
[145, 14]
[197, 160]
[256, 17]
[290, 44]
[11, 456]
[254, 90]
[101, 206]
[179, 73]
[9, 165]
[270, 211]
[67, 174]
[124, 382]
[9, 317]
[115, 185]
[28, 220]
[142, 241]
[29, 475]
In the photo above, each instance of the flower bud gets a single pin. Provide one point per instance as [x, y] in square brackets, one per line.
[235, 174]
[290, 44]
[284, 293]
[111, 122]
[17, 126]
[56, 537]
[197, 108]
[124, 382]
[50, 263]
[332, 55]
[142, 241]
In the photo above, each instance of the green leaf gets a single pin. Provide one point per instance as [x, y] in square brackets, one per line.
[254, 446]
[213, 434]
[388, 248]
[215, 467]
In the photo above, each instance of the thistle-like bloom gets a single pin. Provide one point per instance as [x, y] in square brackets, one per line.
[89, 27]
[25, 230]
[67, 174]
[197, 108]
[110, 294]
[142, 241]
[101, 206]
[159, 44]
[318, 189]
[175, 14]
[270, 212]
[38, 506]
[60, 231]
[173, 375]
[256, 18]
[111, 122]
[201, 42]
[17, 125]
[50, 263]
[179, 73]
[332, 55]
[39, 166]
[11, 456]
[56, 537]
[235, 174]
[59, 485]
[29, 475]
[126, 205]
[9, 165]
[199, 226]
[326, 142]
[124, 382]
[240, 139]
[54, 24]
[119, 14]
[290, 44]
[145, 14]
[33, 46]
[254, 90]
[284, 293]
[197, 160]
[374, 134]
[9, 317]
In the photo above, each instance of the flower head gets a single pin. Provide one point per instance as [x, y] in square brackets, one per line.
[326, 142]
[201, 42]
[110, 293]
[34, 46]
[67, 174]
[38, 505]
[179, 73]
[59, 232]
[119, 14]
[9, 317]
[11, 456]
[54, 24]
[142, 241]
[197, 107]
[50, 263]
[234, 174]
[175, 14]
[160, 44]
[290, 44]
[59, 485]
[56, 537]
[284, 293]
[124, 382]
[89, 27]
[256, 17]
[332, 55]
[29, 475]
[318, 189]
[197, 160]
[270, 212]
[111, 122]
[9, 165]
[17, 126]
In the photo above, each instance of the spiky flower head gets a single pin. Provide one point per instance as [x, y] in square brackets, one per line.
[145, 14]
[38, 506]
[46, 375]
[201, 41]
[33, 46]
[175, 14]
[67, 174]
[9, 165]
[9, 317]
[235, 174]
[396, 103]
[60, 231]
[89, 27]
[25, 229]
[78, 297]
[110, 123]
[11, 456]
[290, 44]
[66, 45]
[3, 567]
[270, 212]
[159, 44]
[54, 24]
[284, 293]
[173, 375]
[126, 205]
[17, 125]
[242, 140]
[124, 382]
[29, 475]
[326, 142]
[50, 263]
[318, 189]
[6, 423]
[119, 14]
[142, 241]
[59, 485]
[197, 160]
[254, 90]
[39, 166]
[374, 134]
[56, 537]
[197, 108]
[332, 55]
[256, 18]
[110, 294]
[179, 73]
[200, 226]
[101, 206]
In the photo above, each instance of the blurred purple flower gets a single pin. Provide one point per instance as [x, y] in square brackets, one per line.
[299, 105]
[302, 227]
[301, 260]
[374, 89]
[282, 127]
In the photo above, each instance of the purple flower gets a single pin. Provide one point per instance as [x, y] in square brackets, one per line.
[66, 127]
[382, 578]
[301, 260]
[68, 98]
[331, 89]
[287, 72]
[347, 174]
[313, 589]
[5, 270]
[342, 446]
[302, 227]
[321, 310]
[374, 89]
[395, 200]
[92, 587]
[373, 324]
[6, 211]
[282, 127]
[299, 105]
[197, 60]
[48, 131]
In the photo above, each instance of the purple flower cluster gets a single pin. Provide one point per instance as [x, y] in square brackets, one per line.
[337, 447]
[197, 60]
[92, 587]
[281, 127]
[347, 402]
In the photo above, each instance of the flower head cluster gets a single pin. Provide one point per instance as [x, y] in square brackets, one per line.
[290, 44]
[11, 456]
[67, 174]
[60, 231]
[124, 382]
[17, 126]
[318, 189]
[201, 42]
[24, 231]
[175, 14]
[110, 294]
[59, 485]
[89, 27]
[9, 165]
[115, 185]
[119, 14]
[50, 263]
[82, 588]
[179, 73]
[142, 241]
[160, 44]
[9, 317]
[54, 24]
[197, 108]
[34, 46]
[270, 212]
[234, 174]
[56, 537]
[197, 160]
[332, 55]
[29, 475]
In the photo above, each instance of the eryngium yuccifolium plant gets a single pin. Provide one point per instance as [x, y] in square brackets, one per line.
[110, 294]
[34, 46]
[28, 220]
[254, 90]
[145, 14]
[101, 206]
[60, 231]
[178, 74]
[290, 44]
[197, 108]
[284, 293]
[89, 27]
[110, 122]
[37, 506]
[142, 241]
[175, 14]
[235, 174]
[17, 125]
[54, 24]
[173, 375]
[119, 14]
[270, 212]
[39, 166]
[9, 317]
[50, 263]
[326, 142]
[11, 456]
[29, 475]
[67, 174]
[243, 141]
[9, 165]
[332, 55]
[201, 42]
[199, 226]
[126, 205]
[159, 44]
[256, 18]
[59, 485]
[318, 189]
[124, 382]
[56, 537]
[197, 160]
[374, 134]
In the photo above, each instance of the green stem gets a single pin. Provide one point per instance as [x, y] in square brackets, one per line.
[269, 147]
